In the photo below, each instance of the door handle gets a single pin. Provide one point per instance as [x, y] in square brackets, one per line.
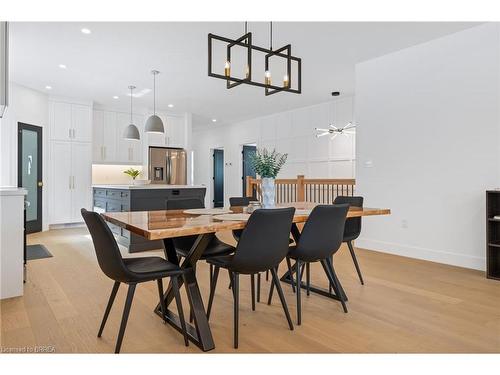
[40, 184]
[73, 178]
[70, 182]
[69, 133]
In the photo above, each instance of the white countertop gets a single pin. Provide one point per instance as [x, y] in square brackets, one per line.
[149, 186]
[12, 190]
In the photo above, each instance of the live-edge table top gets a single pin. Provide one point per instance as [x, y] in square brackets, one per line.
[155, 225]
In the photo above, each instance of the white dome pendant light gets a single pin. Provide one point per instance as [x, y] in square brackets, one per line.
[131, 131]
[154, 123]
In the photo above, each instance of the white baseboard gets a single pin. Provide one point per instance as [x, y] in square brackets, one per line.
[445, 257]
[66, 226]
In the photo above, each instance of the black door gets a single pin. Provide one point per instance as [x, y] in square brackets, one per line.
[29, 173]
[218, 178]
[248, 152]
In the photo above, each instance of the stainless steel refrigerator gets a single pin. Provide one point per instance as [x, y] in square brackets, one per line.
[167, 166]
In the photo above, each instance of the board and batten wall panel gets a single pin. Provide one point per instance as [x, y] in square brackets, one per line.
[428, 146]
[290, 132]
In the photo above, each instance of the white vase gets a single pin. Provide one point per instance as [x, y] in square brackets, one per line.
[268, 192]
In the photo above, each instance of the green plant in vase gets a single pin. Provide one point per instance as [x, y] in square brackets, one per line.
[132, 173]
[267, 165]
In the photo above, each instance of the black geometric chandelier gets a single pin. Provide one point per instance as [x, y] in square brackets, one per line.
[270, 86]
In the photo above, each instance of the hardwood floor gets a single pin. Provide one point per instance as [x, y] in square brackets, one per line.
[406, 305]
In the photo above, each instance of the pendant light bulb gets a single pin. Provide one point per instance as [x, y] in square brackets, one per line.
[267, 77]
[131, 132]
[227, 68]
[286, 81]
[154, 124]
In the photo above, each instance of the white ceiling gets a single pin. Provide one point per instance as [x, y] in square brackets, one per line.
[115, 55]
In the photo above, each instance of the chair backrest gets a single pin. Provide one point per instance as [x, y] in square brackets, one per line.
[184, 204]
[264, 241]
[352, 225]
[239, 201]
[107, 252]
[323, 232]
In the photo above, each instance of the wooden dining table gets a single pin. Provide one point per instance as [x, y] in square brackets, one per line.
[166, 225]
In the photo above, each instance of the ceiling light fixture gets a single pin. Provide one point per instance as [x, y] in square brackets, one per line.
[131, 132]
[349, 129]
[116, 97]
[48, 87]
[154, 123]
[86, 31]
[246, 42]
[170, 106]
[214, 120]
[62, 66]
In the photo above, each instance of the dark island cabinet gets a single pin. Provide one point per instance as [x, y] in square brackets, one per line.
[139, 199]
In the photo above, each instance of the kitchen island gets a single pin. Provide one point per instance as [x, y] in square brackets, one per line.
[119, 198]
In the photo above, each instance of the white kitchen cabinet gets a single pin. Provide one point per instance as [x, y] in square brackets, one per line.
[60, 121]
[81, 161]
[129, 152]
[109, 146]
[175, 132]
[61, 182]
[81, 120]
[70, 122]
[104, 138]
[71, 180]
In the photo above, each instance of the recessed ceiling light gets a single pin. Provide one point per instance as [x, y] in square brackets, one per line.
[48, 87]
[214, 120]
[86, 31]
[116, 97]
[170, 106]
[62, 66]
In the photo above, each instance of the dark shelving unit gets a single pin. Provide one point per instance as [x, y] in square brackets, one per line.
[492, 234]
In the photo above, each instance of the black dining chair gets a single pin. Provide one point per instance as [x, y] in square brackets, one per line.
[262, 246]
[130, 271]
[352, 228]
[319, 240]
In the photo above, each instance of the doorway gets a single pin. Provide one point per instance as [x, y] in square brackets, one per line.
[29, 172]
[247, 153]
[218, 178]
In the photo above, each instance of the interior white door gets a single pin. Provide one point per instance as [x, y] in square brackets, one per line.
[60, 121]
[61, 182]
[98, 137]
[81, 116]
[109, 137]
[81, 168]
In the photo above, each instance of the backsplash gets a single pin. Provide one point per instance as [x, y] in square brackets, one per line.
[113, 174]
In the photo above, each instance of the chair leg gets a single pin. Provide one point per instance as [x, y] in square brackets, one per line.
[258, 287]
[355, 260]
[267, 275]
[330, 286]
[252, 289]
[211, 273]
[336, 279]
[308, 278]
[236, 292]
[162, 300]
[282, 297]
[126, 311]
[298, 292]
[289, 265]
[333, 281]
[271, 290]
[180, 310]
[116, 285]
[213, 285]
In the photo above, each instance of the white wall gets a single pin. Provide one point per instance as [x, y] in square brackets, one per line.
[428, 122]
[30, 107]
[289, 132]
